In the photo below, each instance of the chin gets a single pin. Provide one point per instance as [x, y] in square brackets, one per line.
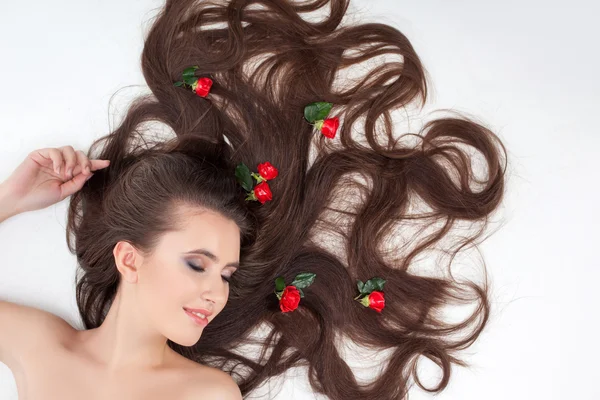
[185, 340]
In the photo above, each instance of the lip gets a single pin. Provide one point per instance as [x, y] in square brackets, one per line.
[199, 321]
[199, 310]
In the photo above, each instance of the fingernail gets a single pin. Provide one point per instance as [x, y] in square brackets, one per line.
[89, 177]
[70, 172]
[87, 169]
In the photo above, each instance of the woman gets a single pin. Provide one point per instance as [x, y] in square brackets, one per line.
[128, 356]
[180, 260]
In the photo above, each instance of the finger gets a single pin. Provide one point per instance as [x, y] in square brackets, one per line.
[41, 157]
[84, 163]
[70, 187]
[57, 159]
[99, 164]
[70, 157]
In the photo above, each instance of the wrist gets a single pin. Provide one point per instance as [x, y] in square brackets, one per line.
[7, 203]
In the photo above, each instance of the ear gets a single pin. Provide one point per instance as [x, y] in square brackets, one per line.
[127, 260]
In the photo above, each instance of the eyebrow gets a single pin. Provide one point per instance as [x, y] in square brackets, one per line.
[214, 258]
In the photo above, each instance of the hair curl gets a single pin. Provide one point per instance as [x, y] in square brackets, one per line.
[336, 203]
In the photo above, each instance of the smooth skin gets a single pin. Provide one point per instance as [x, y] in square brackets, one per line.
[127, 356]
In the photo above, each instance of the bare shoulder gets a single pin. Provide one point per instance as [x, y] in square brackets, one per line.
[44, 322]
[212, 383]
[26, 329]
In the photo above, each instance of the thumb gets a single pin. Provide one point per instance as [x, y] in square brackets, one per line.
[70, 187]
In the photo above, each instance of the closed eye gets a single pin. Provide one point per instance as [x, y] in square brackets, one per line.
[200, 269]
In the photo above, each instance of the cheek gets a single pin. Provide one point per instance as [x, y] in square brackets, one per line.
[164, 293]
[165, 290]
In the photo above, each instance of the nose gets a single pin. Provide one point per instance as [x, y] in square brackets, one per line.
[213, 289]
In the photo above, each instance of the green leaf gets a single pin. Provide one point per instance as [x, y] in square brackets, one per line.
[369, 287]
[178, 83]
[189, 72]
[301, 293]
[190, 80]
[361, 285]
[378, 282]
[373, 284]
[316, 111]
[304, 280]
[242, 173]
[279, 284]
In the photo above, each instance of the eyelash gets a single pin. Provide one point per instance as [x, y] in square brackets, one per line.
[200, 269]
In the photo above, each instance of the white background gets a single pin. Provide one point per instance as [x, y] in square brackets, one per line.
[527, 68]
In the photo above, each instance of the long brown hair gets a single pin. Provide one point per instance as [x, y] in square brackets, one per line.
[337, 203]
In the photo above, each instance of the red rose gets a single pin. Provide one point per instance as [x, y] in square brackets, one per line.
[203, 86]
[377, 301]
[263, 192]
[289, 299]
[267, 171]
[330, 126]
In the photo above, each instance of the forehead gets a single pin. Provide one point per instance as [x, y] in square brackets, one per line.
[201, 228]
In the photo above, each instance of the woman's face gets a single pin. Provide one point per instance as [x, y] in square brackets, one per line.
[168, 282]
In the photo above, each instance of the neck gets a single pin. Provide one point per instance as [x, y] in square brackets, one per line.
[126, 340]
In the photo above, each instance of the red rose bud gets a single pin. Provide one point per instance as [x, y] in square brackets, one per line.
[267, 171]
[202, 86]
[262, 192]
[377, 301]
[374, 300]
[330, 126]
[289, 299]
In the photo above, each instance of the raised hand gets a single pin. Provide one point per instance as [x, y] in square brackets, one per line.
[48, 176]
